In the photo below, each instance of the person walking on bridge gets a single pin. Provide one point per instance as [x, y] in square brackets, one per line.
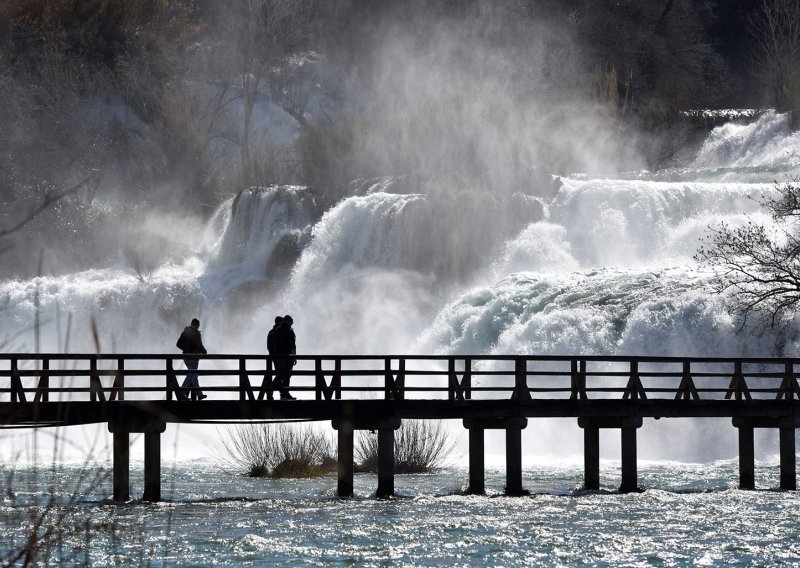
[284, 350]
[191, 342]
[271, 336]
[271, 349]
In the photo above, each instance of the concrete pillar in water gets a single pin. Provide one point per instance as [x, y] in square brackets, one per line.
[747, 468]
[514, 461]
[513, 427]
[121, 479]
[591, 457]
[152, 466]
[477, 472]
[630, 480]
[788, 459]
[385, 462]
[125, 421]
[344, 487]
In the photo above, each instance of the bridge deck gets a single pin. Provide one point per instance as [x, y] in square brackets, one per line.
[141, 393]
[63, 389]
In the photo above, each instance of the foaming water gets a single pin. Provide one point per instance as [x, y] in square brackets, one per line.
[766, 142]
[632, 311]
[632, 222]
[688, 513]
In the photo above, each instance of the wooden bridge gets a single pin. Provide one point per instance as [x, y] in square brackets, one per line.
[140, 393]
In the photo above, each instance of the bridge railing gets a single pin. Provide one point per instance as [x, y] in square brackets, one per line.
[50, 377]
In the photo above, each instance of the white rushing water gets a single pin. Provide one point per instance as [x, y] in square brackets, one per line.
[604, 267]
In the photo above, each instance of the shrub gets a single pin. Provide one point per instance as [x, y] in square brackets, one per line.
[279, 451]
[420, 446]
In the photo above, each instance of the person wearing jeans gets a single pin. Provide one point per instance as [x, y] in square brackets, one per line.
[284, 350]
[191, 341]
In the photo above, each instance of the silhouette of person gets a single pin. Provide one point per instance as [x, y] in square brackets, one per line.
[271, 348]
[271, 335]
[191, 342]
[284, 349]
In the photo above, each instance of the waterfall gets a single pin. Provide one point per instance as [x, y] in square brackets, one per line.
[606, 266]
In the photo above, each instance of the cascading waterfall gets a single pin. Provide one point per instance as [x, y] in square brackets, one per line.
[606, 267]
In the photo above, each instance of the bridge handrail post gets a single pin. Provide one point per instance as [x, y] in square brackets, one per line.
[245, 390]
[17, 392]
[466, 381]
[458, 389]
[43, 388]
[789, 387]
[118, 388]
[738, 385]
[320, 386]
[577, 373]
[452, 380]
[400, 381]
[389, 387]
[582, 377]
[95, 386]
[686, 389]
[266, 383]
[171, 380]
[634, 389]
[336, 380]
[521, 391]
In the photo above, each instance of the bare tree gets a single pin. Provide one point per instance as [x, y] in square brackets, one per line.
[760, 267]
[264, 34]
[776, 33]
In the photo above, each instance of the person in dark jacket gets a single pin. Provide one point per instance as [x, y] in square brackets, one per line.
[191, 342]
[271, 335]
[271, 349]
[284, 350]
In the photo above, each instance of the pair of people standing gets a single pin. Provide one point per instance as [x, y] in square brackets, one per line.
[282, 348]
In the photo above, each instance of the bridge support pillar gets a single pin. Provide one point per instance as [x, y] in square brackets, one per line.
[385, 427]
[630, 480]
[121, 476]
[133, 420]
[385, 463]
[788, 459]
[591, 458]
[514, 462]
[747, 458]
[591, 450]
[344, 487]
[152, 466]
[786, 426]
[513, 427]
[477, 470]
